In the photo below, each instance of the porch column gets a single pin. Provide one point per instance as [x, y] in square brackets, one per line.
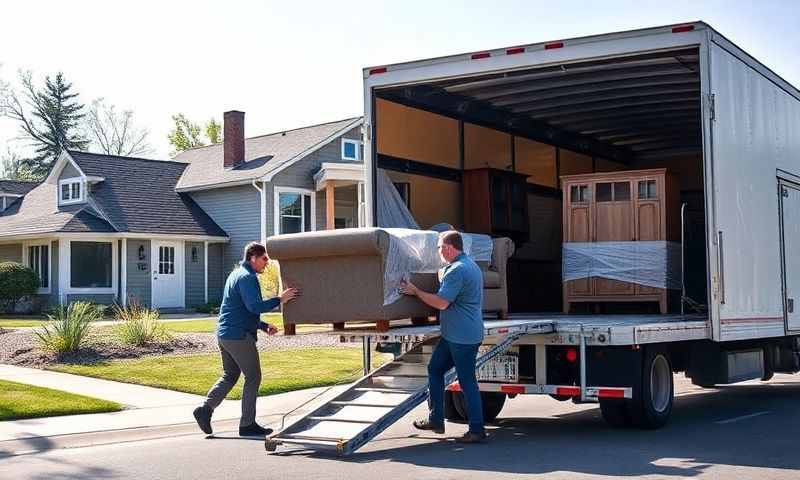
[330, 224]
[123, 269]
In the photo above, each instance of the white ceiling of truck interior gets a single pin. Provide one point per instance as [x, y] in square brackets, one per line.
[647, 105]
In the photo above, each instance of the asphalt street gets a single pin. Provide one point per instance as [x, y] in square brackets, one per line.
[742, 431]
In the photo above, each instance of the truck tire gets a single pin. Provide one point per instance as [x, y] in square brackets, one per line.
[652, 401]
[492, 403]
[615, 412]
[451, 413]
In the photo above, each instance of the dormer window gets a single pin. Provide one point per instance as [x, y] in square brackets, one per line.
[70, 191]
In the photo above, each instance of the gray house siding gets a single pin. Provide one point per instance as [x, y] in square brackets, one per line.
[301, 175]
[195, 275]
[138, 280]
[11, 253]
[235, 209]
[99, 298]
[216, 274]
[69, 172]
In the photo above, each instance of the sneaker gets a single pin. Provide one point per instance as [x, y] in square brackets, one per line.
[471, 437]
[254, 430]
[203, 417]
[427, 425]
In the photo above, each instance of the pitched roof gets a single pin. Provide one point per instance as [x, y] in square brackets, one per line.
[263, 154]
[16, 187]
[136, 196]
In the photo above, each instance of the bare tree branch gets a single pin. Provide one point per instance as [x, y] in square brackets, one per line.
[115, 133]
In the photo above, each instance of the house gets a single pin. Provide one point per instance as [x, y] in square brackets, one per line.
[166, 233]
[309, 178]
[104, 228]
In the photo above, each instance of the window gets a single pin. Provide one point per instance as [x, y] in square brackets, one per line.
[350, 150]
[166, 260]
[579, 194]
[91, 265]
[70, 191]
[39, 262]
[294, 211]
[647, 189]
[613, 192]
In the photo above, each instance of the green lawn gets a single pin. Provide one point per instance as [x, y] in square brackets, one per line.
[18, 401]
[282, 371]
[13, 321]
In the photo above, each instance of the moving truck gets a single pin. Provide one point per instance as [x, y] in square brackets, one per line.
[681, 98]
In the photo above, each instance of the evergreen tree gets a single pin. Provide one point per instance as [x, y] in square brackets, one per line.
[49, 117]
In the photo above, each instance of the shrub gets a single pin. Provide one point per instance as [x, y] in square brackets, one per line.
[210, 308]
[16, 282]
[68, 327]
[139, 325]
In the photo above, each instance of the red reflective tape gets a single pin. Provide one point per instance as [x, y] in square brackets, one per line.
[375, 71]
[512, 51]
[502, 330]
[611, 393]
[568, 391]
[683, 28]
[514, 389]
[550, 46]
[454, 387]
[478, 56]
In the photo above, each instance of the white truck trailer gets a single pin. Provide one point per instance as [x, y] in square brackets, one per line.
[680, 97]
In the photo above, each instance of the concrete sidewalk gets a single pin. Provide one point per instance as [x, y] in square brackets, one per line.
[147, 407]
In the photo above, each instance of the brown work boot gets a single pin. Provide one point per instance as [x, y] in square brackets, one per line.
[471, 437]
[427, 425]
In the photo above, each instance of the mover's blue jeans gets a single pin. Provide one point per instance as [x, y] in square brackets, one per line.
[446, 356]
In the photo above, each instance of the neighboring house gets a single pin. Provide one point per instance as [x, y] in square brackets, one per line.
[106, 228]
[309, 178]
[11, 190]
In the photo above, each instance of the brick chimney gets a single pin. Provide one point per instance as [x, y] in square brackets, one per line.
[233, 141]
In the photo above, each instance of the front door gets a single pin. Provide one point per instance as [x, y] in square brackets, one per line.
[790, 227]
[167, 274]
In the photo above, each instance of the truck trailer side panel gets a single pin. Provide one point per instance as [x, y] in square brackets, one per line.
[756, 126]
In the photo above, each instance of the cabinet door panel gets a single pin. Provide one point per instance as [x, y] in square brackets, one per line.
[613, 223]
[579, 230]
[648, 220]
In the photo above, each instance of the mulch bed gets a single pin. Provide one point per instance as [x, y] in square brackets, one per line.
[20, 347]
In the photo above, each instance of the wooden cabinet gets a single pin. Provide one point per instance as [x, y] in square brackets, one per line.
[496, 203]
[625, 206]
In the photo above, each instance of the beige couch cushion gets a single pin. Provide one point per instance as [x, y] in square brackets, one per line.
[491, 279]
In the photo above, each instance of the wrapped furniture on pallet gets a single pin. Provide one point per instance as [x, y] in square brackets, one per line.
[353, 275]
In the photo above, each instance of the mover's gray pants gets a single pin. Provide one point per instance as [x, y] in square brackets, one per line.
[238, 356]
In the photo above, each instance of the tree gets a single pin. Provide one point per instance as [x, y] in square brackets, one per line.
[214, 131]
[186, 134]
[12, 167]
[114, 133]
[50, 117]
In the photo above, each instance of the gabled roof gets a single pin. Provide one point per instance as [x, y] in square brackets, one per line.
[132, 195]
[16, 187]
[264, 155]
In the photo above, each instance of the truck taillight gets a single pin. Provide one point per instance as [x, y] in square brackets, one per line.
[550, 46]
[682, 28]
[478, 56]
[572, 355]
[375, 71]
[512, 51]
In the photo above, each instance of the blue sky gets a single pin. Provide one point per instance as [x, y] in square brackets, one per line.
[289, 64]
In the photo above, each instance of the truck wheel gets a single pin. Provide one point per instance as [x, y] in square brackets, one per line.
[652, 401]
[615, 412]
[451, 413]
[492, 403]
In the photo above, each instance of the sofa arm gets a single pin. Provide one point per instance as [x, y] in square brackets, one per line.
[328, 243]
[503, 249]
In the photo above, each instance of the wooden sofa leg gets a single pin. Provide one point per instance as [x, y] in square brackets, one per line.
[289, 329]
[382, 325]
[338, 326]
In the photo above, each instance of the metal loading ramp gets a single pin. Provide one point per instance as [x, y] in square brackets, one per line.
[381, 398]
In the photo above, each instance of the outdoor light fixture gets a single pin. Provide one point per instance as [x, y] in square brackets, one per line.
[141, 252]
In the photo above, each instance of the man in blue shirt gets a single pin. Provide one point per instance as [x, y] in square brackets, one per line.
[459, 302]
[239, 321]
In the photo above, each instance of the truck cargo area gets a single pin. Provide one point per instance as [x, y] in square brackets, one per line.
[624, 114]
